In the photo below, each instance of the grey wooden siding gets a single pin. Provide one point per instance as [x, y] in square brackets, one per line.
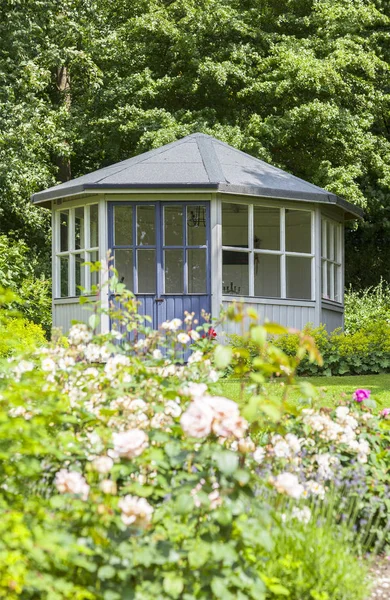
[289, 315]
[332, 319]
[65, 313]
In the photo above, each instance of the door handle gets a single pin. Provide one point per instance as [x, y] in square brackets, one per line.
[159, 300]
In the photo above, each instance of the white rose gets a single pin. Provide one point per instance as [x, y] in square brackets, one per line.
[195, 390]
[108, 487]
[288, 483]
[233, 425]
[130, 444]
[183, 338]
[71, 482]
[103, 464]
[135, 511]
[294, 442]
[195, 357]
[48, 364]
[172, 408]
[196, 421]
[157, 354]
[194, 335]
[245, 445]
[259, 455]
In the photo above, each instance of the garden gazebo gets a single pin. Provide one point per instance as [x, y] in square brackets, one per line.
[195, 225]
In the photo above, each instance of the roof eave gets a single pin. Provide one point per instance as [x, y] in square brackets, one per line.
[351, 211]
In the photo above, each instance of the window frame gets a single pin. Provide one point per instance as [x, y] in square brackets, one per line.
[282, 252]
[335, 264]
[72, 252]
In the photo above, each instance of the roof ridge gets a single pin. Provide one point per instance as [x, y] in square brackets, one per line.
[270, 165]
[210, 160]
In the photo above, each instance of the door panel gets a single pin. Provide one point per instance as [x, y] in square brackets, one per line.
[162, 254]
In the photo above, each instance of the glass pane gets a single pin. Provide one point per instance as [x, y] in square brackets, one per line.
[94, 257]
[324, 280]
[196, 264]
[337, 243]
[323, 239]
[124, 266]
[79, 274]
[330, 241]
[329, 275]
[93, 226]
[266, 228]
[173, 225]
[64, 231]
[79, 242]
[146, 270]
[64, 276]
[196, 225]
[298, 231]
[173, 270]
[235, 273]
[123, 225]
[267, 275]
[298, 275]
[235, 225]
[337, 285]
[146, 227]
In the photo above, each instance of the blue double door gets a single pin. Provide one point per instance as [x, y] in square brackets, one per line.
[162, 254]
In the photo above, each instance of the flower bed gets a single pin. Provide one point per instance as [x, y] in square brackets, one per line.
[125, 475]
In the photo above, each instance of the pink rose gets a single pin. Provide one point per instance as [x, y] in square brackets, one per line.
[385, 412]
[360, 395]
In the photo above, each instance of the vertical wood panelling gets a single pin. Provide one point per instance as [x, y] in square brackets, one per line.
[332, 319]
[64, 314]
[288, 315]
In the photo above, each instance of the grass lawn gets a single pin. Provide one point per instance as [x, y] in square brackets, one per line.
[331, 389]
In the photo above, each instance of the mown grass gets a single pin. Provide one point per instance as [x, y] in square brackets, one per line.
[330, 389]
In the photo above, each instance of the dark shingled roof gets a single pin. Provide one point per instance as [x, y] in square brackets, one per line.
[202, 162]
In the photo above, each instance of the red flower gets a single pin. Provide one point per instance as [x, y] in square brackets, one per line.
[211, 334]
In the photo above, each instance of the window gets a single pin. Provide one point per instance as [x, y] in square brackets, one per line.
[331, 260]
[267, 251]
[78, 242]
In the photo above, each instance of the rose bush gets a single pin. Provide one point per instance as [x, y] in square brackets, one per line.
[125, 475]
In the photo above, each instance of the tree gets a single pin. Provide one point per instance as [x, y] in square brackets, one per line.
[300, 83]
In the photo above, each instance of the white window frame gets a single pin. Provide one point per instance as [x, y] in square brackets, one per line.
[335, 263]
[71, 252]
[282, 252]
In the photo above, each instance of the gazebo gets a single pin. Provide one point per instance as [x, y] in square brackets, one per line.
[197, 224]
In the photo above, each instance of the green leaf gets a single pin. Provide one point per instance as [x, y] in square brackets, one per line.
[173, 585]
[220, 589]
[199, 555]
[94, 321]
[278, 589]
[227, 461]
[275, 329]
[184, 504]
[106, 572]
[222, 356]
[258, 335]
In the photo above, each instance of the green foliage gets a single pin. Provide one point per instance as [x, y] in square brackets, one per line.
[18, 335]
[302, 84]
[364, 351]
[315, 562]
[366, 306]
[17, 274]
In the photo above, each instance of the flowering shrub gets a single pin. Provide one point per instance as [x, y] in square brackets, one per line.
[340, 453]
[125, 475]
[122, 475]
